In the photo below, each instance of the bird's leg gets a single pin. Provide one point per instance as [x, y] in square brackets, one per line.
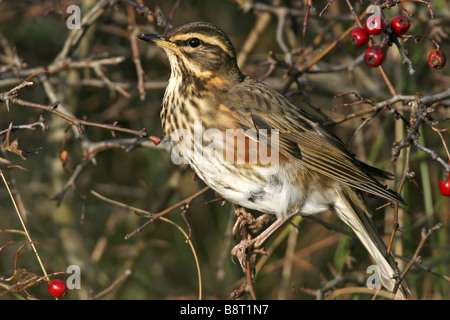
[248, 247]
[259, 240]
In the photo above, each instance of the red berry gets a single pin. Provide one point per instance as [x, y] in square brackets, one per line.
[444, 185]
[359, 37]
[57, 288]
[436, 59]
[400, 25]
[374, 56]
[374, 25]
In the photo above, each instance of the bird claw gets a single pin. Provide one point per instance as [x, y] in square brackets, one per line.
[245, 251]
[240, 249]
[248, 247]
[242, 218]
[253, 225]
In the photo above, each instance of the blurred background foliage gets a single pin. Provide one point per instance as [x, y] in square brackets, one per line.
[82, 229]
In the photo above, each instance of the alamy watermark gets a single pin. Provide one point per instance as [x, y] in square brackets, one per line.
[232, 146]
[374, 280]
[74, 280]
[74, 20]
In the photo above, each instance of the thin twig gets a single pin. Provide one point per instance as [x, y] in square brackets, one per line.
[19, 215]
[151, 216]
[424, 235]
[123, 277]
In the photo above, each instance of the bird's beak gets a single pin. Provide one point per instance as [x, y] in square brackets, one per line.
[156, 39]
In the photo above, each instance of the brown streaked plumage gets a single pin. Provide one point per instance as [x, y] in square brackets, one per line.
[315, 171]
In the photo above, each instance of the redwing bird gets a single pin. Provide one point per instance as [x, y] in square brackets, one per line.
[210, 107]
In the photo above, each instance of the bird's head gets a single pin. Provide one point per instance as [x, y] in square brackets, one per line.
[198, 49]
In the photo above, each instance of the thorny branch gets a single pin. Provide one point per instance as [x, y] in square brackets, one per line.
[416, 259]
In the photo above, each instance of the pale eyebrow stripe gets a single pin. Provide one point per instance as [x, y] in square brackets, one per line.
[201, 36]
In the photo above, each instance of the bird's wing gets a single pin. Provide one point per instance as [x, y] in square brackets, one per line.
[301, 138]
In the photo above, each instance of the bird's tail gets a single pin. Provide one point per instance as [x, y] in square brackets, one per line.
[350, 208]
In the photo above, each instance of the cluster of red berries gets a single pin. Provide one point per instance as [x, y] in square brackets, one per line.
[399, 25]
[374, 55]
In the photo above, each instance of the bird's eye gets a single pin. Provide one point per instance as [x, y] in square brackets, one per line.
[194, 42]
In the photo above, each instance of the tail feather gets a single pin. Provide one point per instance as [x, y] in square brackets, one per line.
[351, 209]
